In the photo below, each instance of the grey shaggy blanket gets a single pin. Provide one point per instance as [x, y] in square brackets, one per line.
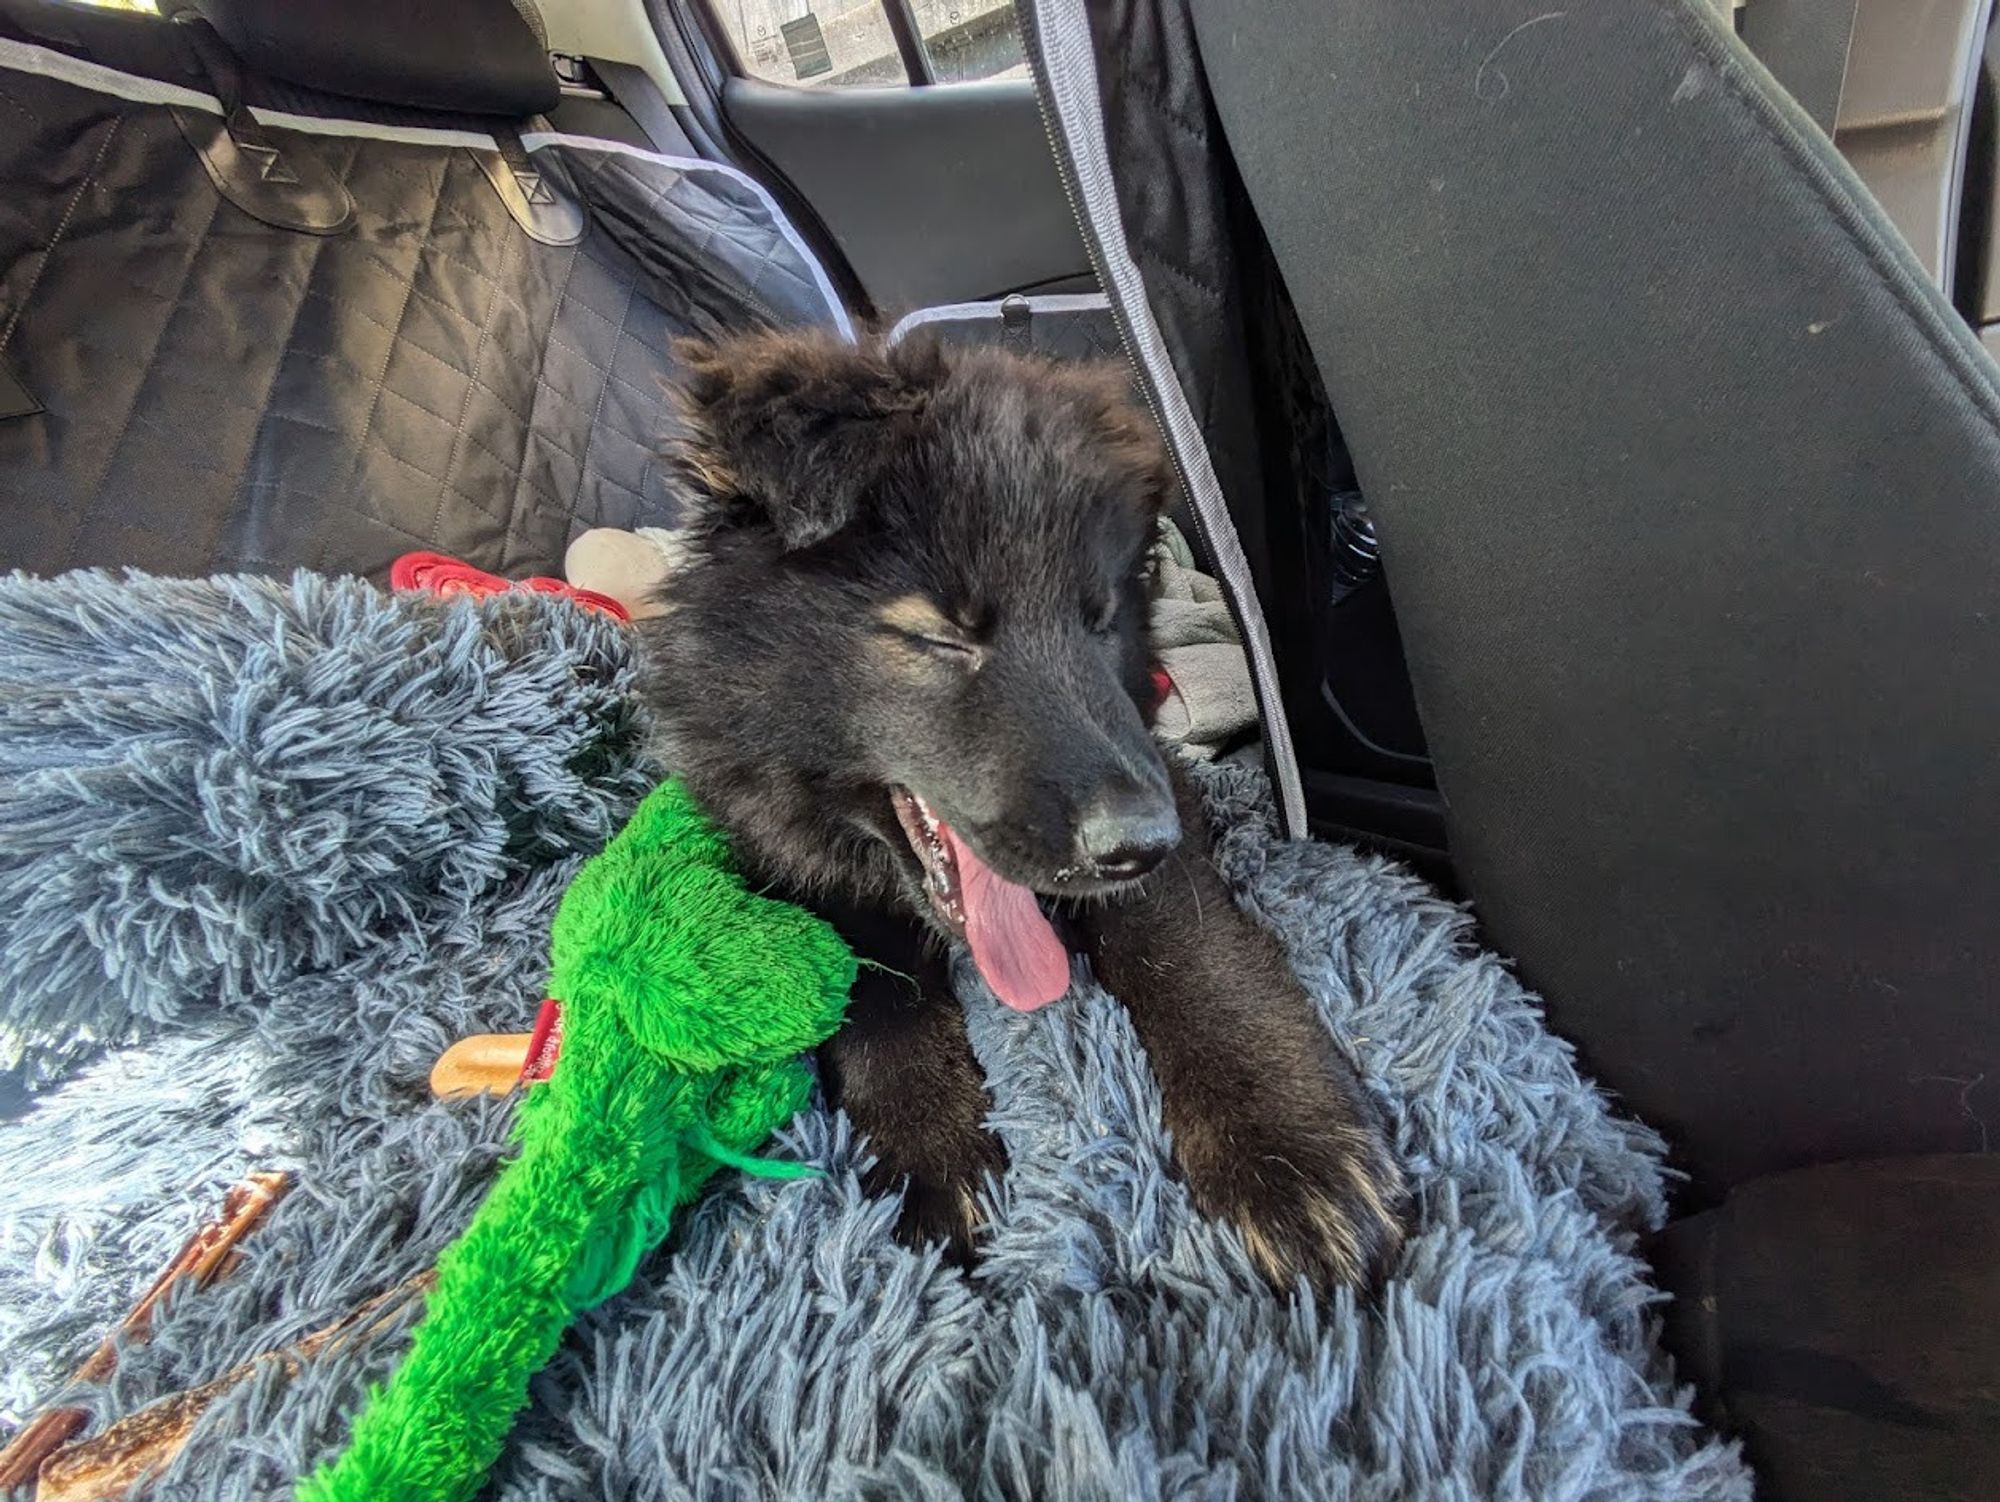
[266, 848]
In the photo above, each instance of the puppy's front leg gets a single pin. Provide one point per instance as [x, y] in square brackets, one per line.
[903, 1070]
[1271, 1127]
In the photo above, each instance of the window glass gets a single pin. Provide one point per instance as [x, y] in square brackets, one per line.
[819, 43]
[971, 39]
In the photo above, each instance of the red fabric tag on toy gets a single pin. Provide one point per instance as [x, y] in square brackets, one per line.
[439, 575]
[544, 1045]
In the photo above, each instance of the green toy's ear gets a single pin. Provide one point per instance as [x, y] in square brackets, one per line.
[668, 826]
[660, 932]
[706, 973]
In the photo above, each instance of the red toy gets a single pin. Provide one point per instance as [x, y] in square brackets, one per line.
[436, 574]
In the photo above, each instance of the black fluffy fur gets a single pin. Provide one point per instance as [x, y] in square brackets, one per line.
[907, 567]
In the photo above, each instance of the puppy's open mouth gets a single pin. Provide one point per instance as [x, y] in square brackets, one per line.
[1012, 943]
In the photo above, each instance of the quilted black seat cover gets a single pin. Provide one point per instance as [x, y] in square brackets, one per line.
[220, 394]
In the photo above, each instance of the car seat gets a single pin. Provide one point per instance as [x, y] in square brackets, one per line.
[315, 285]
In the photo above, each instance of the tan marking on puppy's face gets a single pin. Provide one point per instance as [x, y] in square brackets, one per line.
[918, 631]
[918, 615]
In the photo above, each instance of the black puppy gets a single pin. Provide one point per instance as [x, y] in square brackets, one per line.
[906, 665]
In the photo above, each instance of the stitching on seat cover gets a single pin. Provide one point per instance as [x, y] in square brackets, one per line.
[597, 412]
[91, 496]
[638, 391]
[396, 338]
[62, 228]
[20, 108]
[458, 434]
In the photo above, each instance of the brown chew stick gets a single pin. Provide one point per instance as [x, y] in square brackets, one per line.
[206, 1254]
[487, 1062]
[108, 1466]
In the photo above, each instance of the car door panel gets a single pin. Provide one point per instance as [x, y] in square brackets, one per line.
[934, 195]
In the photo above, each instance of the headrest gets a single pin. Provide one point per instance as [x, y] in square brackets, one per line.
[485, 57]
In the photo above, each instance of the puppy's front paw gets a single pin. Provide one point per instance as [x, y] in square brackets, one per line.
[1323, 1201]
[941, 1198]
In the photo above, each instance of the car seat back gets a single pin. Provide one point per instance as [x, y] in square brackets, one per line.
[1685, 475]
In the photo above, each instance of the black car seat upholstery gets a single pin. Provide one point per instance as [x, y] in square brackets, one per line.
[1686, 478]
[312, 285]
[1687, 481]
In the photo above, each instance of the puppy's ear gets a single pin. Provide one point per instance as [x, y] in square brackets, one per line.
[787, 431]
[1125, 431]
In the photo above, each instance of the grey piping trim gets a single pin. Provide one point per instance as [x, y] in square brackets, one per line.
[321, 125]
[23, 57]
[1071, 71]
[977, 312]
[537, 139]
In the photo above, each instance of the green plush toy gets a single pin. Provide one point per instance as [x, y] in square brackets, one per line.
[687, 1001]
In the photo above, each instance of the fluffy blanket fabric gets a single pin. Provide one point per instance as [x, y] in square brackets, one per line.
[266, 848]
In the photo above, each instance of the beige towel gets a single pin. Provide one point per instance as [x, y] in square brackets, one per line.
[1195, 639]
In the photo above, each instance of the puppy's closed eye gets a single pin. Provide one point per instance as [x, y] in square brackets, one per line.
[918, 620]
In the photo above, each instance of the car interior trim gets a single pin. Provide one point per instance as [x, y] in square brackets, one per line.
[968, 312]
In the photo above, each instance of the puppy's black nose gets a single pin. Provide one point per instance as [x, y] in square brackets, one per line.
[1126, 836]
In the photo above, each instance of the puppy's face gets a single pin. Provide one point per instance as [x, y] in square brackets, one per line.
[937, 563]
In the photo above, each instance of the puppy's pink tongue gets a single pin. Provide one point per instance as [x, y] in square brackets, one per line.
[1018, 953]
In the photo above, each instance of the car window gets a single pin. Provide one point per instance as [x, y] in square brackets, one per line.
[971, 39]
[852, 43]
